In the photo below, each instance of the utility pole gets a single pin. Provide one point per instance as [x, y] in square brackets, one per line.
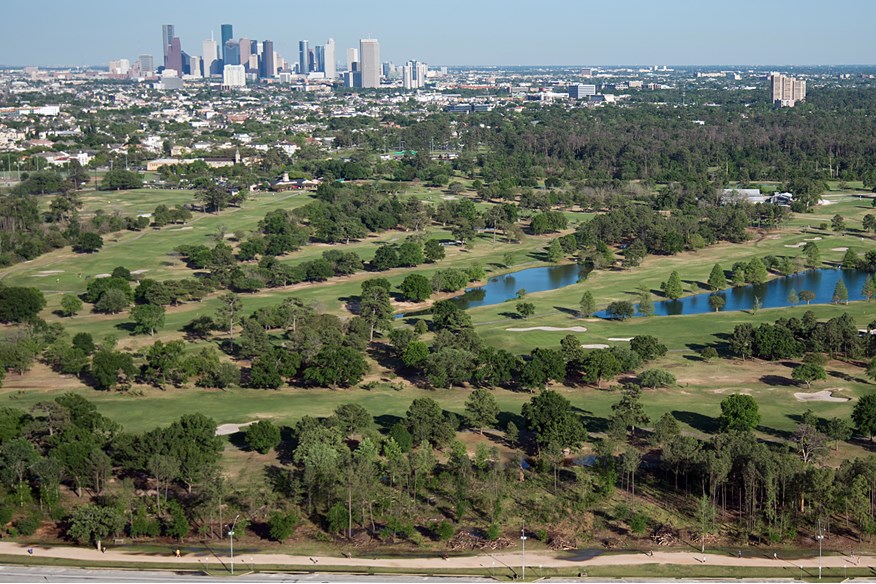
[231, 542]
[523, 552]
[820, 538]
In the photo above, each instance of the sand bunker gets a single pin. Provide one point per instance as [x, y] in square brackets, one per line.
[621, 339]
[822, 396]
[825, 202]
[796, 245]
[229, 429]
[449, 197]
[102, 275]
[840, 249]
[551, 329]
[183, 228]
[813, 239]
[595, 346]
[47, 273]
[135, 272]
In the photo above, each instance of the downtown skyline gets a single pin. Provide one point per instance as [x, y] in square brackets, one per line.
[457, 33]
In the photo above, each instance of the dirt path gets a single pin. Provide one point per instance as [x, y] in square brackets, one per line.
[512, 559]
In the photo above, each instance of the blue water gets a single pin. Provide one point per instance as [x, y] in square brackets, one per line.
[500, 289]
[773, 294]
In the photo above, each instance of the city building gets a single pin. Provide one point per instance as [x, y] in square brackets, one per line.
[580, 91]
[120, 67]
[352, 59]
[234, 76]
[414, 75]
[587, 72]
[147, 65]
[167, 35]
[786, 91]
[303, 57]
[244, 46]
[227, 32]
[329, 60]
[369, 64]
[231, 53]
[195, 66]
[174, 59]
[267, 63]
[210, 57]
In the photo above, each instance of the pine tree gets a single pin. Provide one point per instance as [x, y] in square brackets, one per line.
[672, 288]
[840, 293]
[717, 280]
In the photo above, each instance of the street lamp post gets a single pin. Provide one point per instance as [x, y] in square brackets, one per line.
[231, 542]
[820, 538]
[523, 551]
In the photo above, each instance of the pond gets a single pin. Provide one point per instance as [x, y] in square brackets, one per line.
[500, 289]
[773, 294]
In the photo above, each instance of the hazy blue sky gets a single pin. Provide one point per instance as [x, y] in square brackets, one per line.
[490, 32]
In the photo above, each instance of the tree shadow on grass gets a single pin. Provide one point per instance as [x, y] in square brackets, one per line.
[386, 421]
[777, 380]
[569, 311]
[511, 315]
[706, 424]
[591, 422]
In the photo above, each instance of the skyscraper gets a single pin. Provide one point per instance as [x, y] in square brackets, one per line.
[329, 62]
[319, 58]
[166, 39]
[245, 48]
[369, 65]
[267, 67]
[303, 64]
[147, 65]
[352, 59]
[175, 57]
[231, 50]
[227, 35]
[210, 58]
[786, 91]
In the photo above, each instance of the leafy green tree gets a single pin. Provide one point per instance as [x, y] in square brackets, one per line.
[449, 366]
[812, 254]
[716, 302]
[620, 310]
[410, 254]
[871, 369]
[375, 308]
[840, 293]
[838, 430]
[112, 301]
[110, 368]
[739, 412]
[544, 365]
[551, 417]
[433, 250]
[838, 223]
[807, 296]
[20, 304]
[147, 318]
[869, 222]
[93, 524]
[599, 364]
[807, 373]
[263, 436]
[673, 288]
[864, 415]
[177, 525]
[525, 309]
[793, 298]
[648, 347]
[281, 525]
[119, 179]
[88, 242]
[481, 409]
[415, 354]
[554, 251]
[666, 429]
[655, 378]
[416, 288]
[336, 366]
[869, 289]
[851, 260]
[717, 280]
[228, 313]
[70, 305]
[742, 340]
[756, 272]
[705, 518]
[587, 304]
[427, 423]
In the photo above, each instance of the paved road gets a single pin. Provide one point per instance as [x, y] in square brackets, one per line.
[55, 574]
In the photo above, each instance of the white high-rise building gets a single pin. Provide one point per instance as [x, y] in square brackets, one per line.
[786, 91]
[329, 62]
[210, 52]
[352, 59]
[195, 66]
[414, 75]
[120, 67]
[234, 76]
[369, 64]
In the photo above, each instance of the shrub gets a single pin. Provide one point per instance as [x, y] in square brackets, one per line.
[445, 530]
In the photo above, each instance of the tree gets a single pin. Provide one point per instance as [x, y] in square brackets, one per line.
[646, 304]
[88, 242]
[620, 310]
[838, 430]
[282, 525]
[525, 309]
[410, 254]
[433, 251]
[192, 441]
[416, 288]
[869, 289]
[375, 308]
[20, 304]
[655, 378]
[554, 251]
[93, 524]
[112, 301]
[336, 366]
[587, 304]
[864, 415]
[705, 518]
[263, 436]
[838, 223]
[648, 347]
[481, 409]
[807, 296]
[109, 367]
[742, 340]
[70, 305]
[551, 417]
[230, 307]
[850, 260]
[812, 254]
[840, 293]
[673, 288]
[599, 364]
[716, 302]
[869, 222]
[871, 369]
[807, 373]
[739, 412]
[119, 179]
[427, 423]
[793, 298]
[717, 280]
[147, 318]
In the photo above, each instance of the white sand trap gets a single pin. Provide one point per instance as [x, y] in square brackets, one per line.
[103, 275]
[229, 429]
[821, 396]
[186, 228]
[449, 197]
[135, 272]
[840, 249]
[47, 273]
[550, 329]
[621, 339]
[826, 202]
[595, 346]
[813, 239]
[796, 245]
